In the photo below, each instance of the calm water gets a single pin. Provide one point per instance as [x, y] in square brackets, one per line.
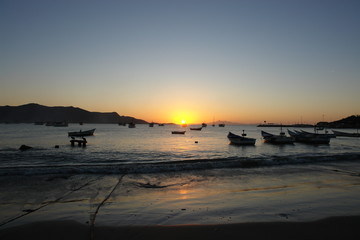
[119, 149]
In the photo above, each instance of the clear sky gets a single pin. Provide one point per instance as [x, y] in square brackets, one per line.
[244, 61]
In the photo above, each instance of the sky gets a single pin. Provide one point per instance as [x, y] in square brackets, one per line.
[245, 61]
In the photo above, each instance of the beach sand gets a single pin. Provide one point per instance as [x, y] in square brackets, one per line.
[331, 228]
[292, 202]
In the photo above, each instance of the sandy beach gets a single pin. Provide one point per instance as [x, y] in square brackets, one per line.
[331, 228]
[289, 202]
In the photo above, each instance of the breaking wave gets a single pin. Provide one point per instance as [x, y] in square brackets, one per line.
[120, 167]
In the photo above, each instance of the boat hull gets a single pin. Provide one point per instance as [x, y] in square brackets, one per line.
[310, 138]
[345, 134]
[178, 132]
[239, 140]
[277, 139]
[82, 133]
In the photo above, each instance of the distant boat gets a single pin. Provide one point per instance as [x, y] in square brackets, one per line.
[204, 125]
[161, 124]
[57, 124]
[278, 139]
[82, 133]
[311, 138]
[346, 134]
[122, 124]
[151, 124]
[61, 124]
[240, 140]
[196, 129]
[178, 132]
[221, 125]
[131, 125]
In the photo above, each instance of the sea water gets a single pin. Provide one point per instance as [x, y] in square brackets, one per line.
[147, 175]
[118, 149]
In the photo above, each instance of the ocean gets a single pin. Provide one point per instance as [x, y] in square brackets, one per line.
[117, 149]
[148, 176]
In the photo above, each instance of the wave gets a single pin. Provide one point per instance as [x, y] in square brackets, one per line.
[172, 166]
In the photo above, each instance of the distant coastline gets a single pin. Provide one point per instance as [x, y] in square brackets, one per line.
[36, 113]
[287, 125]
[348, 122]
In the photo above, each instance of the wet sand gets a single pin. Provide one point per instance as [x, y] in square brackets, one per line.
[292, 202]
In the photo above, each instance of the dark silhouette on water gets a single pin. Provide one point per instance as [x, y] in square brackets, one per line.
[81, 142]
[24, 147]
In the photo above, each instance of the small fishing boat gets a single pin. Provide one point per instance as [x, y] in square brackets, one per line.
[196, 129]
[326, 134]
[204, 125]
[151, 124]
[221, 125]
[277, 139]
[346, 134]
[131, 125]
[240, 140]
[178, 132]
[82, 133]
[311, 138]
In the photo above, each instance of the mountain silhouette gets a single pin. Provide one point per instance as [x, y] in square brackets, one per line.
[30, 113]
[348, 122]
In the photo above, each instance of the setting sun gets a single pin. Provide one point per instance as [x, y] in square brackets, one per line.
[183, 117]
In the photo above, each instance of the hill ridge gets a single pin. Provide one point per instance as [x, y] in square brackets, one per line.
[34, 112]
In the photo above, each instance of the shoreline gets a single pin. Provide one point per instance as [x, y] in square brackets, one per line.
[345, 227]
[285, 201]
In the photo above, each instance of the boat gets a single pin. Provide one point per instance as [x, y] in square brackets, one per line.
[240, 140]
[178, 132]
[61, 124]
[131, 125]
[57, 124]
[278, 139]
[204, 125]
[346, 134]
[221, 125]
[311, 138]
[326, 134]
[82, 133]
[196, 129]
[161, 124]
[151, 124]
